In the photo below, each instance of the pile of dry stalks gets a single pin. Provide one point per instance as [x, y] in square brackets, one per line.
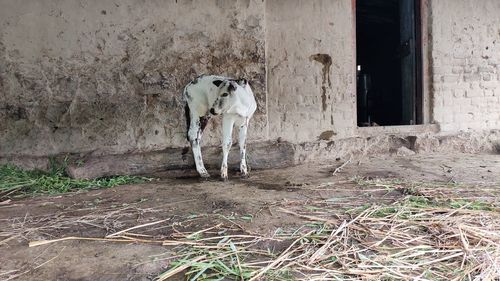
[402, 242]
[413, 239]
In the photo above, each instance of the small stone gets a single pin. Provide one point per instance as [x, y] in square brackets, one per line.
[403, 151]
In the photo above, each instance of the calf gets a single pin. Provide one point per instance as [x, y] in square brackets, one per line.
[209, 95]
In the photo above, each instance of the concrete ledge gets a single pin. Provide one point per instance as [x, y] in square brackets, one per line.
[398, 130]
[260, 156]
[27, 162]
[265, 155]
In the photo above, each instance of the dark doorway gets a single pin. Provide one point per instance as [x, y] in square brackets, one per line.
[388, 68]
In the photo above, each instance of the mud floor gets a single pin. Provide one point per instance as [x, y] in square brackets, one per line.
[188, 204]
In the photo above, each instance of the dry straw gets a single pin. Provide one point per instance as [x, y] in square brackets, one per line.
[419, 237]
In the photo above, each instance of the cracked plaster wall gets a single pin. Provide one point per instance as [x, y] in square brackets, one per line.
[107, 76]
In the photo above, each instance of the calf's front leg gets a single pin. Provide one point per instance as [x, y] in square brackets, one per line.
[227, 132]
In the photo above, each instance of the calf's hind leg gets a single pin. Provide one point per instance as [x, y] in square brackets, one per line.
[194, 136]
[227, 140]
[243, 127]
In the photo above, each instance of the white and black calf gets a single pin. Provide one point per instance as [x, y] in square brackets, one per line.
[209, 95]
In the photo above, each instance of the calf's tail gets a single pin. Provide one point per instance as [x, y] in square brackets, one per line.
[188, 120]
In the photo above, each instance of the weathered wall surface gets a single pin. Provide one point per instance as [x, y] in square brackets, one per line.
[106, 76]
[466, 64]
[311, 80]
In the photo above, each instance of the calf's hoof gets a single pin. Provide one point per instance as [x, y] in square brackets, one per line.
[244, 175]
[223, 176]
[204, 174]
[223, 173]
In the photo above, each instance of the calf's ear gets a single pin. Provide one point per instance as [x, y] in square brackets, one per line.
[231, 87]
[242, 81]
[217, 82]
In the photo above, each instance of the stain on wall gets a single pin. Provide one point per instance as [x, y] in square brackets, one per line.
[326, 61]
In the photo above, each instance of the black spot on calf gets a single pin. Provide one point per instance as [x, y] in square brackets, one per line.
[217, 82]
[204, 121]
[188, 120]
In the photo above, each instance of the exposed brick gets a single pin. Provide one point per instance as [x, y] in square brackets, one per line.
[489, 84]
[462, 117]
[458, 62]
[489, 93]
[438, 114]
[491, 101]
[438, 101]
[442, 70]
[450, 78]
[462, 54]
[473, 125]
[457, 70]
[470, 69]
[487, 77]
[449, 127]
[477, 102]
[488, 69]
[474, 77]
[436, 78]
[447, 118]
[459, 93]
[496, 92]
[449, 102]
[474, 93]
[447, 94]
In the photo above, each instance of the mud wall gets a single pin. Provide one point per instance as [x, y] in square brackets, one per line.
[106, 76]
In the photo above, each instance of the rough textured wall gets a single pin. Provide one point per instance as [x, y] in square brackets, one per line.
[311, 89]
[466, 64]
[106, 76]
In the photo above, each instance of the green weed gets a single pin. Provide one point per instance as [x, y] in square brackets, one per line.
[16, 182]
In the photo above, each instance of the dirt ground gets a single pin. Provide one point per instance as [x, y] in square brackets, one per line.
[187, 204]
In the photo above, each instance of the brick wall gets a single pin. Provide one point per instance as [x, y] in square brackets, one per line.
[466, 64]
[310, 55]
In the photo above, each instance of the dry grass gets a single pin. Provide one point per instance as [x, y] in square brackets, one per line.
[425, 235]
[107, 219]
[400, 242]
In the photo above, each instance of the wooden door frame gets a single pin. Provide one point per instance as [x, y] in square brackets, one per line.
[423, 100]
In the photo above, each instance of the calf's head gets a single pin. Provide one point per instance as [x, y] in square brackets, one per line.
[226, 96]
